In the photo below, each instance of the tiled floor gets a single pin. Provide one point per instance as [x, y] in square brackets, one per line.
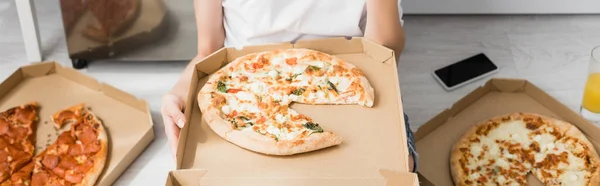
[550, 51]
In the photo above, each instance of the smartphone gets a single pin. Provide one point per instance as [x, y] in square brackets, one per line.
[464, 72]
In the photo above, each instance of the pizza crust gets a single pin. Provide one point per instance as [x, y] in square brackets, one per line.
[455, 169]
[253, 141]
[212, 115]
[99, 158]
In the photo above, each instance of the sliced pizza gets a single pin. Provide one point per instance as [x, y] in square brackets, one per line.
[17, 138]
[78, 156]
[247, 101]
[504, 149]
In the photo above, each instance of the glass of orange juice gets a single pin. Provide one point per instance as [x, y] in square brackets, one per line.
[590, 108]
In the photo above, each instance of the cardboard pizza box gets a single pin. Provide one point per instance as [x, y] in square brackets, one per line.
[126, 118]
[498, 96]
[374, 150]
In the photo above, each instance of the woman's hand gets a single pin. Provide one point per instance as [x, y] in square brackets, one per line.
[172, 110]
[211, 35]
[173, 105]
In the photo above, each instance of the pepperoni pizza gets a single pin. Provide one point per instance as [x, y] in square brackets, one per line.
[77, 157]
[504, 149]
[17, 138]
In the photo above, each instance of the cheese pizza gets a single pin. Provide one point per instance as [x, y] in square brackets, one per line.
[77, 157]
[505, 149]
[247, 101]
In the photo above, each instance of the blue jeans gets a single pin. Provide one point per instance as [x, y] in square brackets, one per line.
[411, 144]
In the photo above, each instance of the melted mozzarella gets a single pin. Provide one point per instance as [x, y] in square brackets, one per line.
[257, 87]
[293, 97]
[288, 135]
[280, 118]
[226, 109]
[298, 69]
[249, 107]
[316, 63]
[474, 176]
[277, 61]
[234, 74]
[273, 73]
[501, 162]
[343, 84]
[573, 177]
[245, 96]
[271, 129]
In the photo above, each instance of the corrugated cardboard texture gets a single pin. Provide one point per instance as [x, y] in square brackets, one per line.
[126, 118]
[193, 177]
[374, 138]
[497, 97]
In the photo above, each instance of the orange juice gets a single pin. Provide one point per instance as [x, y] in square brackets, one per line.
[591, 94]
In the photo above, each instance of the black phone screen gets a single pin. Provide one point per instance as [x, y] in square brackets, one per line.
[465, 70]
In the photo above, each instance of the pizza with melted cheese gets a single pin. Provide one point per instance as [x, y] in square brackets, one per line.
[247, 101]
[77, 157]
[505, 149]
[17, 138]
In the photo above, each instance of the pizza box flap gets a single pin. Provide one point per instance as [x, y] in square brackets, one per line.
[365, 150]
[126, 118]
[497, 97]
[193, 177]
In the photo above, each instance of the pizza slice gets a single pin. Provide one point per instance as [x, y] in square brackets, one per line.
[78, 155]
[265, 126]
[17, 138]
[21, 177]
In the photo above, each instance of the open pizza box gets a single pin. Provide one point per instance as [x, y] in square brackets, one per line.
[374, 150]
[497, 97]
[126, 118]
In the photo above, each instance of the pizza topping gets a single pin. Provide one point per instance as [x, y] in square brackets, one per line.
[84, 166]
[67, 162]
[357, 72]
[314, 127]
[40, 178]
[50, 161]
[3, 126]
[64, 117]
[59, 171]
[298, 91]
[233, 90]
[331, 86]
[221, 87]
[87, 135]
[73, 177]
[92, 148]
[314, 70]
[25, 115]
[291, 61]
[19, 133]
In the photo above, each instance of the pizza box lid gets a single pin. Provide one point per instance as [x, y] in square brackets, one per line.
[126, 119]
[497, 97]
[374, 138]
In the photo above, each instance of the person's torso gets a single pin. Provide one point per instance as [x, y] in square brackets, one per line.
[250, 22]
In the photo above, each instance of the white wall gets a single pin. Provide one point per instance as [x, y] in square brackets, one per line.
[501, 6]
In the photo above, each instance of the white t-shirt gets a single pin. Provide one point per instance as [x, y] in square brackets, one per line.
[251, 22]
